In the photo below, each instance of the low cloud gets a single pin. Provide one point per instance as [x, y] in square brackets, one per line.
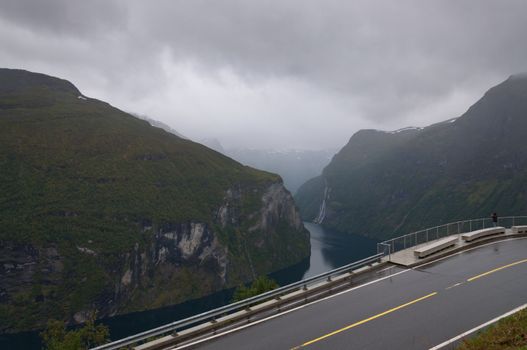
[299, 74]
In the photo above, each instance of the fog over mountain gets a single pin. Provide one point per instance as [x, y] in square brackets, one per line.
[293, 165]
[299, 74]
[160, 125]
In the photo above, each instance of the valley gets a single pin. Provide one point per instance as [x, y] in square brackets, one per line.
[384, 184]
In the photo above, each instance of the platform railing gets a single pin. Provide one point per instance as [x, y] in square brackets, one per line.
[432, 233]
[212, 315]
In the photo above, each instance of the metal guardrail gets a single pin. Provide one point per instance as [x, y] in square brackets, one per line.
[419, 237]
[237, 306]
[384, 248]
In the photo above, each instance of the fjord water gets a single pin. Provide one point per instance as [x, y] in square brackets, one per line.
[329, 250]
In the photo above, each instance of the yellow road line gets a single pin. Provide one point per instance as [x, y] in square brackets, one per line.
[404, 305]
[365, 320]
[495, 270]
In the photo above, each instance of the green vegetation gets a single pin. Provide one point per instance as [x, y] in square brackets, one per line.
[260, 285]
[56, 337]
[507, 334]
[84, 166]
[86, 188]
[386, 184]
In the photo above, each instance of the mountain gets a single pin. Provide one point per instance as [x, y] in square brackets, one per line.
[294, 166]
[214, 144]
[160, 125]
[101, 211]
[383, 184]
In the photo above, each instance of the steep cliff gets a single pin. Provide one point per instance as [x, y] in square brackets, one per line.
[101, 211]
[384, 184]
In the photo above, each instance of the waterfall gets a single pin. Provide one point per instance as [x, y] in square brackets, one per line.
[322, 211]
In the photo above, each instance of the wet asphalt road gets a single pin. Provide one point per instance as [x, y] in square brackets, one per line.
[412, 309]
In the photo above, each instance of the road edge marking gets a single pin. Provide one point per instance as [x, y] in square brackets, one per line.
[287, 312]
[488, 323]
[176, 347]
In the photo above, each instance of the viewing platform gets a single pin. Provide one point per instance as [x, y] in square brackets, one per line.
[434, 243]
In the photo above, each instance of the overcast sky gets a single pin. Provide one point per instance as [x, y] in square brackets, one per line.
[273, 74]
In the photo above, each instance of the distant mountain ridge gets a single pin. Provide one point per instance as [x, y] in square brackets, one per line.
[14, 80]
[294, 166]
[383, 184]
[101, 211]
[160, 125]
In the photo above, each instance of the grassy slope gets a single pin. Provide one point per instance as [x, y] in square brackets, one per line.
[508, 334]
[87, 161]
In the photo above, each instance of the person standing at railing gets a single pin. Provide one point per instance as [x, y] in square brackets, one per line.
[494, 217]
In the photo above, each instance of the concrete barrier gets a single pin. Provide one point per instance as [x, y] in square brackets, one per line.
[470, 236]
[436, 246]
[519, 229]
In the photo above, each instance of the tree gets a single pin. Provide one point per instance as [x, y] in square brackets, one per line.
[56, 337]
[260, 285]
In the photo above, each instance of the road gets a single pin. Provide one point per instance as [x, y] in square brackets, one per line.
[410, 309]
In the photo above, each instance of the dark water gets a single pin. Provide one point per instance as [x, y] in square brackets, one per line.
[329, 249]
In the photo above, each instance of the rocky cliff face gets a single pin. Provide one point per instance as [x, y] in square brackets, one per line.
[101, 211]
[173, 251]
[278, 205]
[179, 261]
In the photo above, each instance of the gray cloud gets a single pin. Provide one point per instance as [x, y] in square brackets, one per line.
[66, 18]
[300, 73]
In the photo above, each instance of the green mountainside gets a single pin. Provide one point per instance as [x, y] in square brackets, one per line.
[101, 211]
[383, 184]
